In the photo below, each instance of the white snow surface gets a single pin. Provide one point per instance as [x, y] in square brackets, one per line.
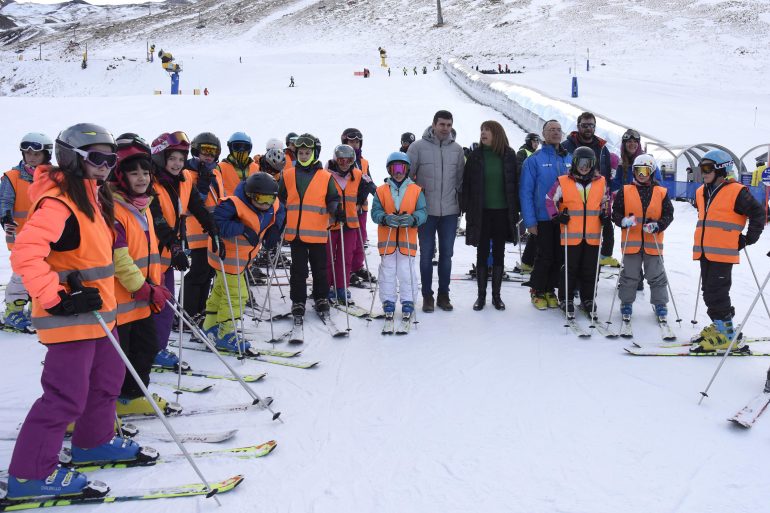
[473, 411]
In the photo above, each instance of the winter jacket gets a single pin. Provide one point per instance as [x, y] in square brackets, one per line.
[472, 198]
[397, 190]
[230, 226]
[437, 167]
[645, 194]
[539, 173]
[522, 155]
[599, 146]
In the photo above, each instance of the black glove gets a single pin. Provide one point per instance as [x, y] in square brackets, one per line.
[339, 214]
[217, 246]
[603, 216]
[563, 217]
[179, 260]
[741, 241]
[85, 300]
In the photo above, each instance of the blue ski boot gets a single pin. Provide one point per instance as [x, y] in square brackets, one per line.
[407, 308]
[17, 318]
[117, 450]
[63, 482]
[227, 341]
[626, 309]
[661, 312]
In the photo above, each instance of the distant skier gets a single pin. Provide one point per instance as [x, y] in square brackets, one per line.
[291, 81]
[405, 70]
[415, 70]
[388, 71]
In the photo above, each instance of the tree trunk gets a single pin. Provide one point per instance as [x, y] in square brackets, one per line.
[440, 20]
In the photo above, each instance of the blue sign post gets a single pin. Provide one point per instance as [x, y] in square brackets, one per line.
[175, 83]
[574, 87]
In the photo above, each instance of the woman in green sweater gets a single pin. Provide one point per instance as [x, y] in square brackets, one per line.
[490, 201]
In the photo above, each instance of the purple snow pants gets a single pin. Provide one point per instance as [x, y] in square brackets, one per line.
[165, 318]
[81, 382]
[350, 239]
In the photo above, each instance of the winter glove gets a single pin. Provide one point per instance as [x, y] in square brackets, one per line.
[85, 300]
[339, 214]
[271, 237]
[156, 295]
[9, 225]
[391, 220]
[651, 227]
[741, 241]
[563, 217]
[217, 246]
[628, 222]
[179, 260]
[406, 220]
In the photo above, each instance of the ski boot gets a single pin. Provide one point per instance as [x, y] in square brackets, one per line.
[719, 340]
[523, 268]
[63, 482]
[708, 331]
[568, 307]
[342, 296]
[322, 306]
[626, 309]
[298, 309]
[539, 300]
[17, 318]
[169, 360]
[141, 406]
[389, 307]
[551, 300]
[407, 309]
[365, 275]
[609, 261]
[226, 339]
[117, 450]
[589, 308]
[661, 312]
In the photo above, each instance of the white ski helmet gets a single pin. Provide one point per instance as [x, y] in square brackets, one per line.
[645, 160]
[274, 144]
[36, 141]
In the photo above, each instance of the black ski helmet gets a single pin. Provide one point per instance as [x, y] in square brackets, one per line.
[77, 137]
[352, 133]
[407, 137]
[581, 153]
[260, 183]
[205, 138]
[290, 138]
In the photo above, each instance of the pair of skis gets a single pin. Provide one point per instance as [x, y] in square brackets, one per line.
[403, 327]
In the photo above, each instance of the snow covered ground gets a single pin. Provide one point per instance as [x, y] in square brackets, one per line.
[473, 411]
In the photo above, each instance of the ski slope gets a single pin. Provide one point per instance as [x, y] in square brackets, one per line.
[473, 411]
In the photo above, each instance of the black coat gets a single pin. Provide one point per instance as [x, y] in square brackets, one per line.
[472, 198]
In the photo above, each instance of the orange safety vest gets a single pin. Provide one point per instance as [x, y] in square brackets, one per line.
[365, 170]
[146, 258]
[289, 160]
[584, 223]
[637, 239]
[170, 213]
[93, 260]
[349, 197]
[718, 228]
[22, 203]
[307, 217]
[405, 237]
[237, 257]
[196, 238]
[232, 177]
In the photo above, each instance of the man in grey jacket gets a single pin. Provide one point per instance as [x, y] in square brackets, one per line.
[437, 163]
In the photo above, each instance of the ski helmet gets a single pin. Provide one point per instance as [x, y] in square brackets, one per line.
[75, 137]
[167, 142]
[581, 154]
[273, 143]
[239, 137]
[205, 138]
[397, 156]
[275, 158]
[532, 137]
[352, 134]
[307, 141]
[645, 161]
[631, 134]
[131, 148]
[343, 151]
[407, 137]
[290, 138]
[722, 160]
[260, 183]
[35, 141]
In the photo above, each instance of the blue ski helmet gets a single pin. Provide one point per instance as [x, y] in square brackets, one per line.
[398, 156]
[239, 137]
[722, 159]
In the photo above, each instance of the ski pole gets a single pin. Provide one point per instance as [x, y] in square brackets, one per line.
[736, 334]
[198, 332]
[240, 297]
[694, 321]
[271, 277]
[345, 276]
[75, 282]
[411, 273]
[230, 305]
[377, 284]
[668, 283]
[518, 239]
[751, 266]
[183, 239]
[566, 282]
[596, 282]
[366, 263]
[615, 291]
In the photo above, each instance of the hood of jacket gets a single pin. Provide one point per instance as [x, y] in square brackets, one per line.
[429, 136]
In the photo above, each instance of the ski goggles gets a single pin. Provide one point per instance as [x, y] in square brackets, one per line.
[97, 158]
[707, 167]
[398, 167]
[240, 146]
[354, 135]
[262, 198]
[31, 146]
[585, 162]
[209, 149]
[305, 142]
[176, 138]
[133, 141]
[643, 170]
[631, 134]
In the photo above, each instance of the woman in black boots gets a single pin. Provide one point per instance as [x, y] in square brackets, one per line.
[490, 200]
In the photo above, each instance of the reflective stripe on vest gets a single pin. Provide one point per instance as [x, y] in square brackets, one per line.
[196, 238]
[170, 213]
[21, 204]
[349, 197]
[93, 260]
[584, 223]
[634, 238]
[145, 256]
[405, 239]
[718, 227]
[306, 217]
[231, 177]
[238, 256]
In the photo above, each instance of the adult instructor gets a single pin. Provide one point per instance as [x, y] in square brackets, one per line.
[437, 166]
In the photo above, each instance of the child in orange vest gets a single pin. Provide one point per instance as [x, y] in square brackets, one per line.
[36, 149]
[353, 190]
[398, 208]
[580, 203]
[137, 270]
